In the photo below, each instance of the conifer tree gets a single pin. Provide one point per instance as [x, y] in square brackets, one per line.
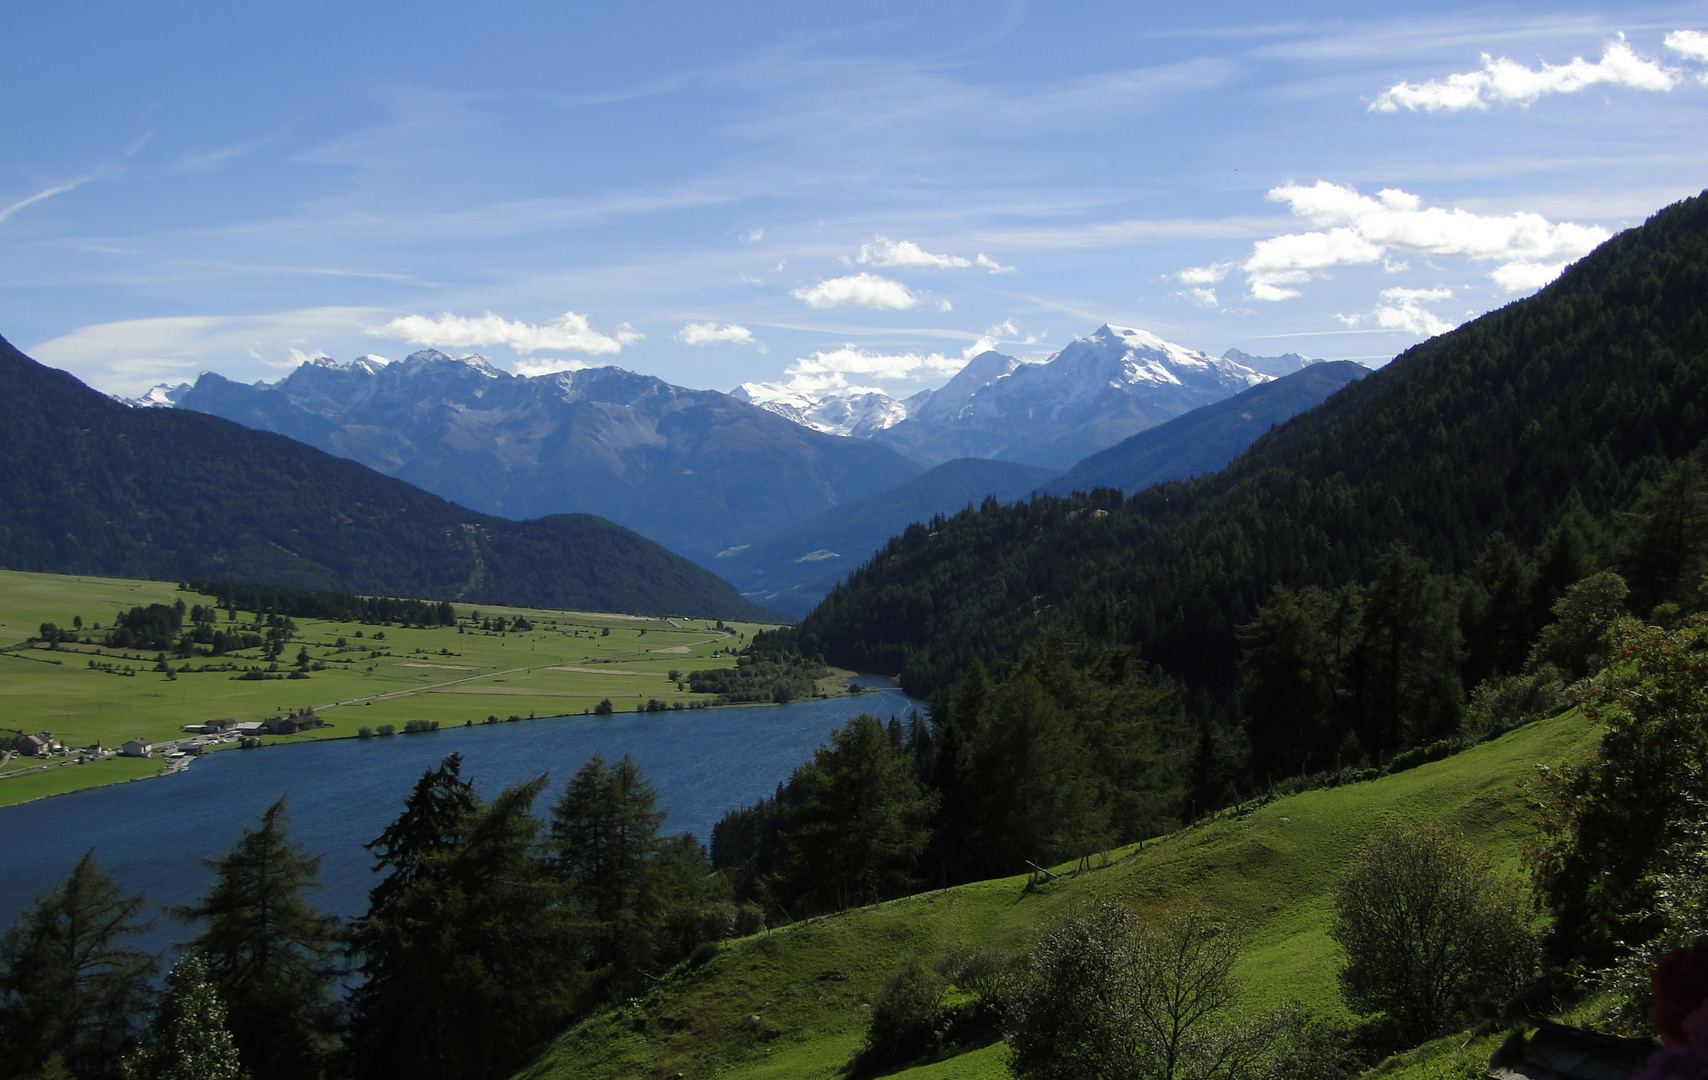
[604, 838]
[269, 952]
[71, 990]
[861, 821]
[190, 1039]
[481, 961]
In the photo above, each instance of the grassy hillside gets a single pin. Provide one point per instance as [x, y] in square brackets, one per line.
[790, 1003]
[567, 663]
[99, 488]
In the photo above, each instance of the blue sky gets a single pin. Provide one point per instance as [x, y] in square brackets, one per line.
[824, 195]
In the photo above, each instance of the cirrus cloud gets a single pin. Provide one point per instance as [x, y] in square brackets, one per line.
[569, 332]
[1355, 229]
[710, 333]
[858, 290]
[1507, 82]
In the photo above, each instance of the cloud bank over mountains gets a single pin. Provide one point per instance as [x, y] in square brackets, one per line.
[1355, 229]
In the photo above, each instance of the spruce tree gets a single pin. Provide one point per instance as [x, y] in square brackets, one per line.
[270, 953]
[71, 990]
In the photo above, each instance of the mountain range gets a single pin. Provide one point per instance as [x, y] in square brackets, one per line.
[1101, 388]
[695, 470]
[99, 488]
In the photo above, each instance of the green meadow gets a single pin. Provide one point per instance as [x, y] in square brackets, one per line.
[371, 675]
[792, 1002]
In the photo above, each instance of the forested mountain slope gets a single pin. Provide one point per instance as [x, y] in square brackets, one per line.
[1558, 406]
[96, 487]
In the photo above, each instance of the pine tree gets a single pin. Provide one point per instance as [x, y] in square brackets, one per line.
[861, 823]
[190, 1039]
[435, 819]
[604, 837]
[70, 989]
[481, 960]
[269, 952]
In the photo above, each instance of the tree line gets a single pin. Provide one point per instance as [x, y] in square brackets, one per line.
[490, 929]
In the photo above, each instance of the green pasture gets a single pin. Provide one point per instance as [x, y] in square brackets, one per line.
[568, 663]
[1270, 870]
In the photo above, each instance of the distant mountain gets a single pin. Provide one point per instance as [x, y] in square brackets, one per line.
[696, 470]
[1285, 364]
[1100, 389]
[1206, 439]
[859, 414]
[99, 488]
[792, 571]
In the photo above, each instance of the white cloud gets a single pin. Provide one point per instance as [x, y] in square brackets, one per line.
[992, 265]
[569, 332]
[130, 356]
[1526, 276]
[1693, 45]
[1402, 309]
[1355, 229]
[829, 371]
[754, 237]
[1507, 82]
[1005, 332]
[1203, 275]
[1203, 296]
[710, 333]
[858, 290]
[546, 365]
[883, 251]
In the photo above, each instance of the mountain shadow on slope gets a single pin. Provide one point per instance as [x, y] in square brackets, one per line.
[1564, 403]
[96, 487]
[695, 470]
[792, 571]
[1207, 438]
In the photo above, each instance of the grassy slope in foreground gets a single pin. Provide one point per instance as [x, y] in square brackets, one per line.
[1271, 869]
[565, 665]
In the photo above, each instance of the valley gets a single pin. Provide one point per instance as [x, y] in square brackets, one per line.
[357, 676]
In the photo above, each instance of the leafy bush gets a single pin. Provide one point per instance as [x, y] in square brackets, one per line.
[907, 1021]
[1428, 927]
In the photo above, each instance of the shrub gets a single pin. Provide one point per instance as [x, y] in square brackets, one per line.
[907, 1021]
[1427, 928]
[386, 729]
[364, 732]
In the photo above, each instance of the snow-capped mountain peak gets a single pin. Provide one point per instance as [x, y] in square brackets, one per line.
[858, 412]
[158, 396]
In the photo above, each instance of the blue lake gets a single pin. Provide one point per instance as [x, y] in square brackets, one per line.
[153, 834]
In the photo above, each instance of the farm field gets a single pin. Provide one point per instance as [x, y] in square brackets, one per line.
[1269, 870]
[354, 675]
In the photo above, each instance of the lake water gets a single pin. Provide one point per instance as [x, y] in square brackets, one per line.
[153, 834]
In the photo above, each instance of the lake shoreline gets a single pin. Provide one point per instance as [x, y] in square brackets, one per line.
[847, 688]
